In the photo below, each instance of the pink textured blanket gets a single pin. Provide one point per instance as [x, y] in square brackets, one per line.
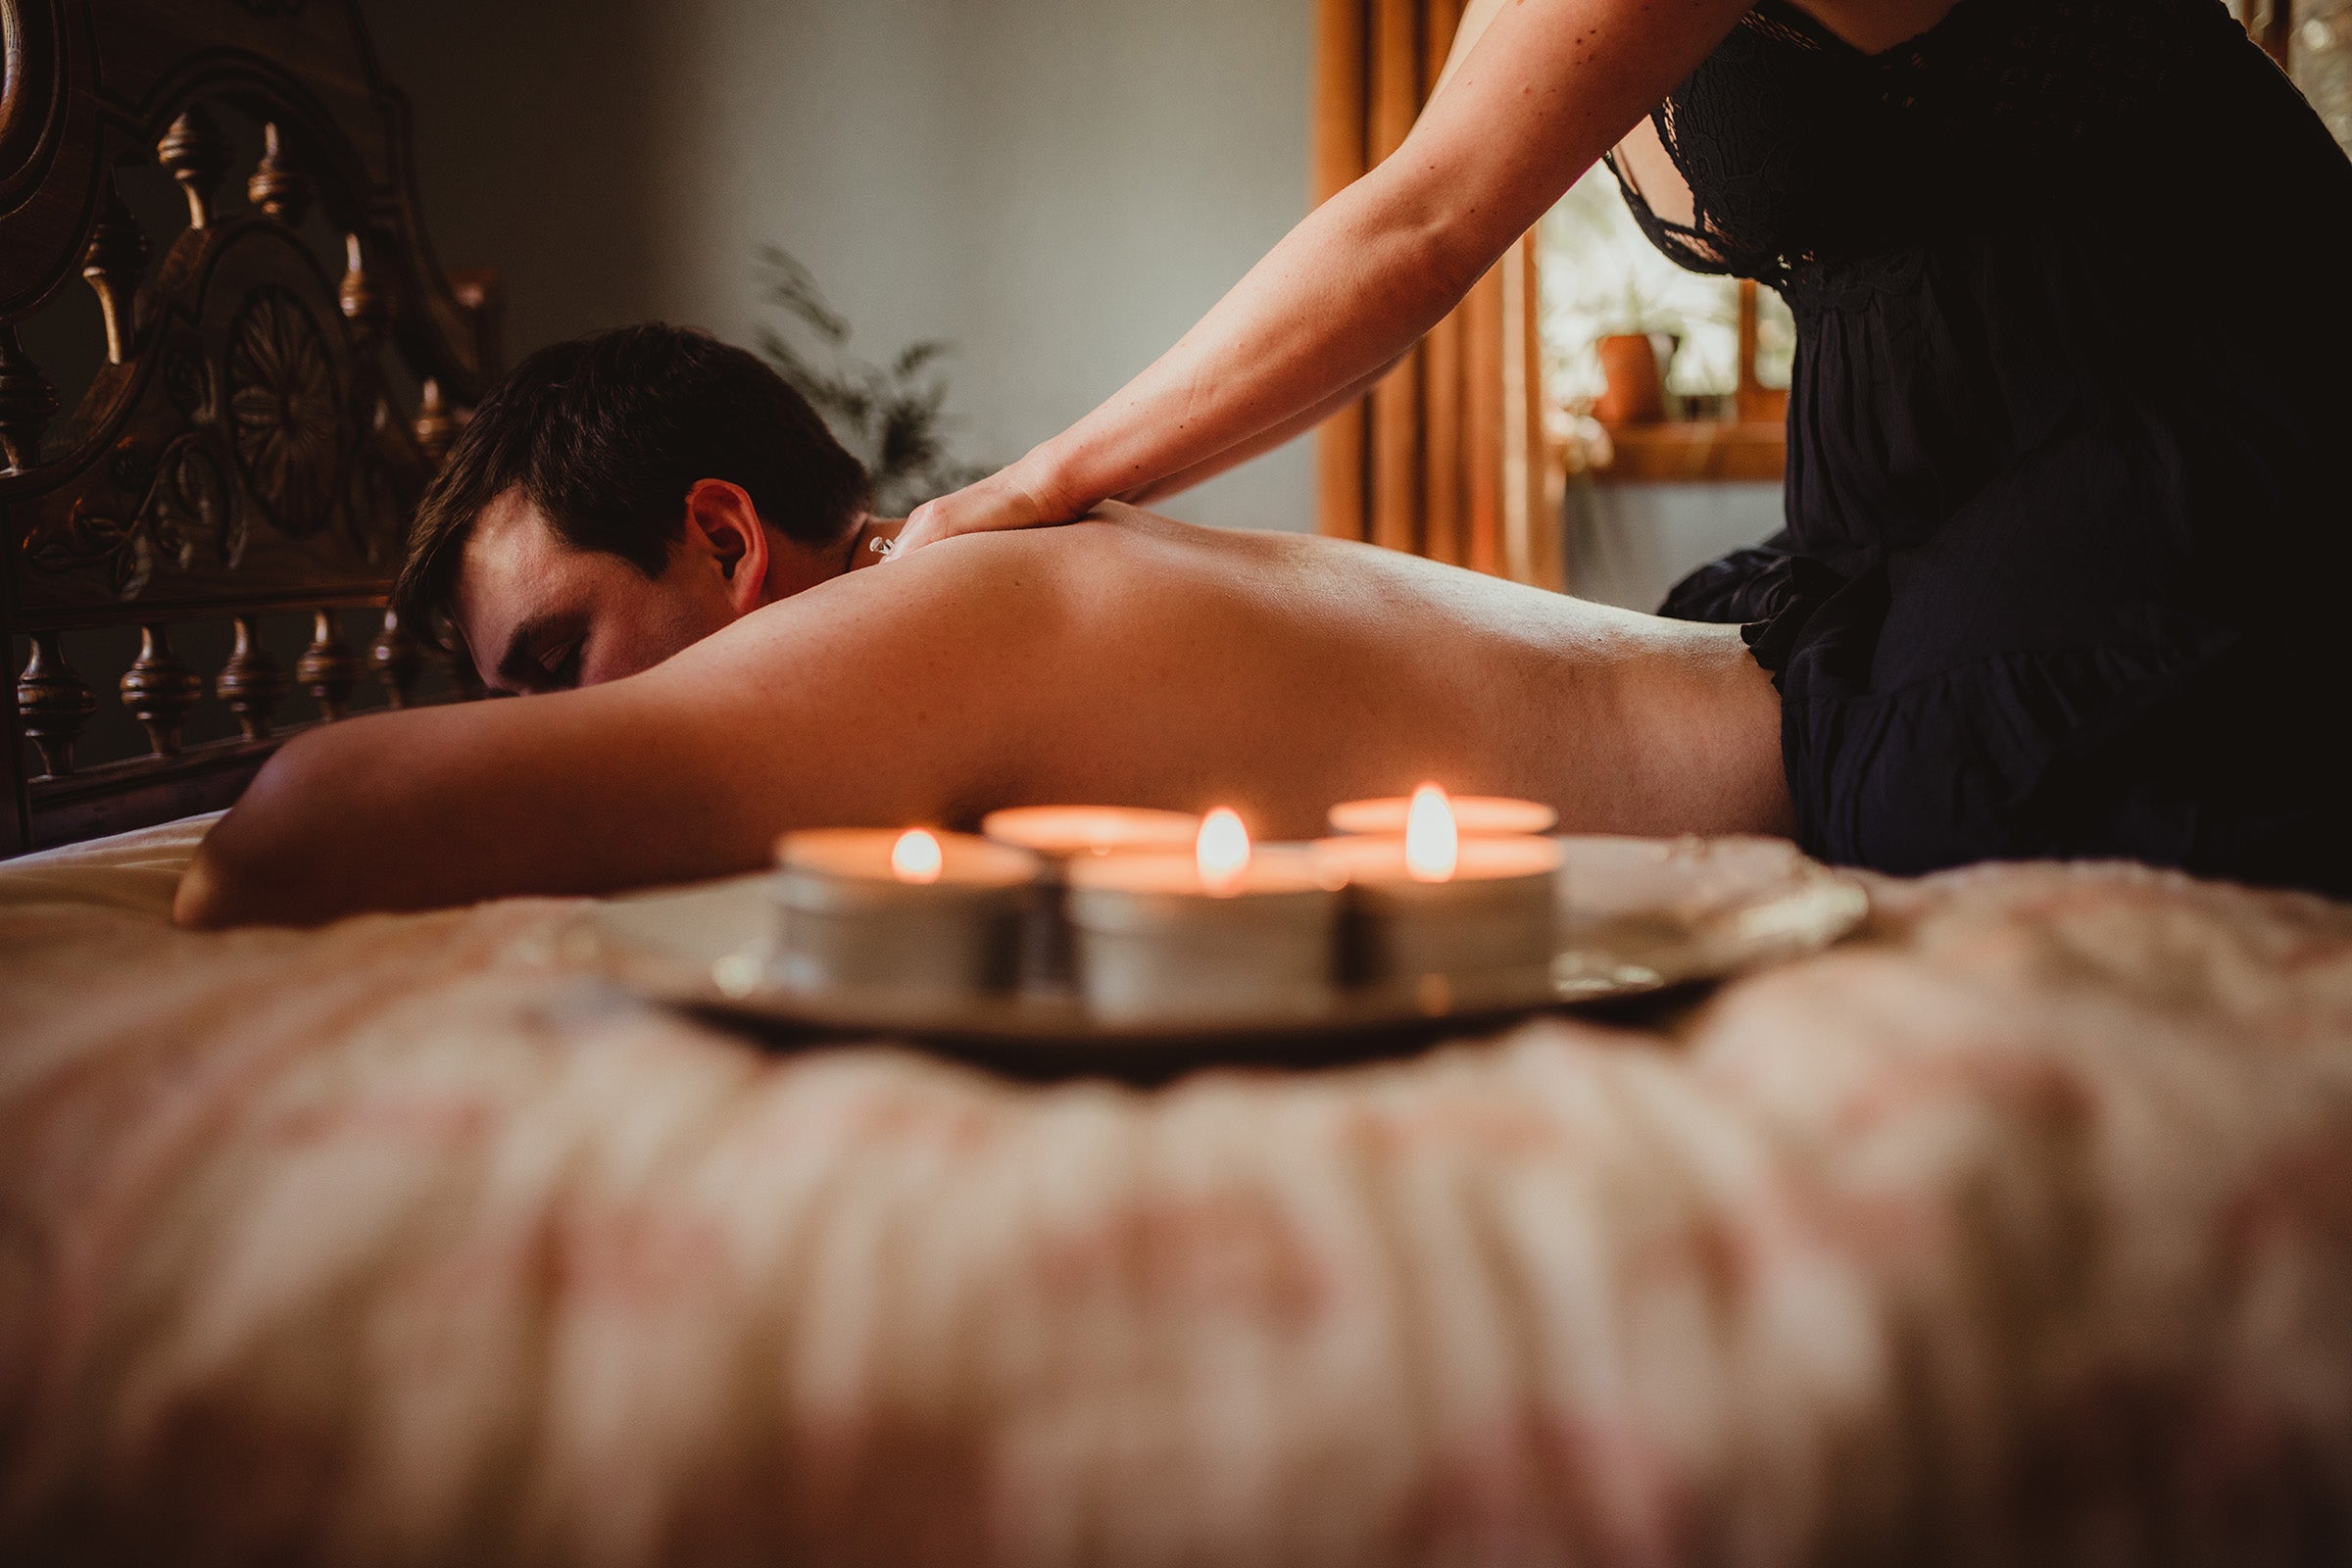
[2019, 1229]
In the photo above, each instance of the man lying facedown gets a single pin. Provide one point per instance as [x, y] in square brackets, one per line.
[656, 540]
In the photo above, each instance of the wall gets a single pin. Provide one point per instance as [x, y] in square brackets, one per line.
[1628, 543]
[1059, 186]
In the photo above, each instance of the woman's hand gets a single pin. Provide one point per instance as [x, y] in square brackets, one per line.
[1527, 104]
[1005, 499]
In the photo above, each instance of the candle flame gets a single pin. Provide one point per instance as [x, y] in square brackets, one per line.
[1433, 845]
[1222, 851]
[916, 858]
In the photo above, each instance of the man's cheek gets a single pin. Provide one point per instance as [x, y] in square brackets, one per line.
[642, 644]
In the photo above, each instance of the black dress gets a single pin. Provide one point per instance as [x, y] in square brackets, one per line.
[2069, 504]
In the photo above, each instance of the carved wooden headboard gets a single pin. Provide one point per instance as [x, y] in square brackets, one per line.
[270, 376]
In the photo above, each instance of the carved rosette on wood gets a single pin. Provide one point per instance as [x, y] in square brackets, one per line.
[251, 443]
[284, 410]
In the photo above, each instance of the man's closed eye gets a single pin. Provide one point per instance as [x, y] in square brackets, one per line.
[544, 654]
[562, 666]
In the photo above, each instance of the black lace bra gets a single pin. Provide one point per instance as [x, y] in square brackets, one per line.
[1802, 151]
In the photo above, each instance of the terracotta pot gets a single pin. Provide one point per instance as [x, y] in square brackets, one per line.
[1634, 392]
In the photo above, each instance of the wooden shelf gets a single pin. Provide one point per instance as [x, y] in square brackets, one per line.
[1681, 451]
[1750, 447]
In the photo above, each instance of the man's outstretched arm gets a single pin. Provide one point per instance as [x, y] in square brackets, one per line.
[885, 699]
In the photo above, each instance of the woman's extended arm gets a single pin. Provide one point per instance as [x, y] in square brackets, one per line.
[1298, 424]
[1476, 18]
[1550, 87]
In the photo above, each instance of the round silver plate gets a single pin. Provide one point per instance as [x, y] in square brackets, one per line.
[1640, 915]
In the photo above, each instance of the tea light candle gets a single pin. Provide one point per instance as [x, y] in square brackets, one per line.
[1472, 813]
[918, 915]
[1061, 832]
[1221, 931]
[1433, 903]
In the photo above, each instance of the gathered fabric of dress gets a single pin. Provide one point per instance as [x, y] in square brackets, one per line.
[2069, 496]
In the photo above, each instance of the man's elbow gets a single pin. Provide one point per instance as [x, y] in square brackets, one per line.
[201, 903]
[261, 864]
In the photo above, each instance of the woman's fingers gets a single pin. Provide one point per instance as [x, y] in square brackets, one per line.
[1000, 501]
[924, 523]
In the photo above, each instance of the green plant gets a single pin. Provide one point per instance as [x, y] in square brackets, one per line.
[1637, 308]
[893, 418]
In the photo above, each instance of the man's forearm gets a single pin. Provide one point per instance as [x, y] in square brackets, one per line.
[438, 807]
[880, 698]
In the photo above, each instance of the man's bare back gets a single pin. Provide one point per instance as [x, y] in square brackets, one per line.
[1128, 661]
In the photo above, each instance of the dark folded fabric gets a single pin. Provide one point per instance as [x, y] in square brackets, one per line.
[2066, 519]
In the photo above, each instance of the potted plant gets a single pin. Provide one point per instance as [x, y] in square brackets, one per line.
[1636, 355]
[893, 418]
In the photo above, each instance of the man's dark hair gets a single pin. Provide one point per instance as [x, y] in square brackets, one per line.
[607, 433]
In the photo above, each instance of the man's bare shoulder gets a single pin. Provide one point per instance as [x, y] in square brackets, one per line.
[943, 609]
[1107, 537]
[993, 572]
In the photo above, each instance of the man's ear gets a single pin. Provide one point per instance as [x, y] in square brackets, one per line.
[723, 528]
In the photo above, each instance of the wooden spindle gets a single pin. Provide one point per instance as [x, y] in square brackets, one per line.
[327, 669]
[27, 402]
[196, 156]
[435, 427]
[398, 658]
[251, 683]
[365, 306]
[52, 705]
[482, 304]
[278, 187]
[112, 263]
[160, 689]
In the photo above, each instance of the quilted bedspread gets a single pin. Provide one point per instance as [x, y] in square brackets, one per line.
[2018, 1229]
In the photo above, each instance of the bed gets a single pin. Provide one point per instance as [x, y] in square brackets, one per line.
[2018, 1229]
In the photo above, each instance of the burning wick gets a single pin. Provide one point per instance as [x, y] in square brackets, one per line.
[1433, 845]
[1222, 851]
[916, 858]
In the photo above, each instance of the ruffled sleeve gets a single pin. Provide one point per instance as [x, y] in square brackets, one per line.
[1768, 590]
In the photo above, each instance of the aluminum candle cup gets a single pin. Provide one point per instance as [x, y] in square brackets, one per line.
[1059, 834]
[1494, 911]
[1482, 814]
[918, 915]
[1155, 944]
